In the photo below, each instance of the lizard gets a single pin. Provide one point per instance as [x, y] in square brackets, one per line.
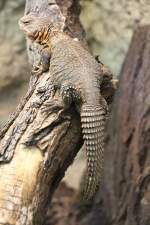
[76, 75]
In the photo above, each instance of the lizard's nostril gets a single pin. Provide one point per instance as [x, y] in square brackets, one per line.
[26, 22]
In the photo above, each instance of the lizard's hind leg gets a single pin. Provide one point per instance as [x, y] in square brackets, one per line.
[69, 94]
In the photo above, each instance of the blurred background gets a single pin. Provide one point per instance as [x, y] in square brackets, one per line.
[108, 24]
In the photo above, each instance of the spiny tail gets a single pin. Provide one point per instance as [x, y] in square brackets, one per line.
[93, 125]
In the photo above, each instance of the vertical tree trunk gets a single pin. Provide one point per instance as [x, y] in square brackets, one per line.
[125, 196]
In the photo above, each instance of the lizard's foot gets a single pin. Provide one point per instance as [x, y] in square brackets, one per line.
[52, 106]
[108, 90]
[37, 70]
[55, 106]
[115, 83]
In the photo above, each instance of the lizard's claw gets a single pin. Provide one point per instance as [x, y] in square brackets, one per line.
[37, 70]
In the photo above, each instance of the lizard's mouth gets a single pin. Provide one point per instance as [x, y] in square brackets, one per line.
[24, 27]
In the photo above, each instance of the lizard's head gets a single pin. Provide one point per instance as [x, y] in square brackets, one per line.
[36, 28]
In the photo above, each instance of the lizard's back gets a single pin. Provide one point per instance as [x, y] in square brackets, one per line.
[73, 64]
[74, 70]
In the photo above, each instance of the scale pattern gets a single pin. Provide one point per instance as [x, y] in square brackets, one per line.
[93, 125]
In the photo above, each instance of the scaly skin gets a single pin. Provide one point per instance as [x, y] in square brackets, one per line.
[76, 74]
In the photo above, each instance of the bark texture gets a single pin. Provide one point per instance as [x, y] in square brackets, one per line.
[35, 147]
[125, 195]
[130, 138]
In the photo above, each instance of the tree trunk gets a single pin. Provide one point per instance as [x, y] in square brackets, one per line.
[124, 198]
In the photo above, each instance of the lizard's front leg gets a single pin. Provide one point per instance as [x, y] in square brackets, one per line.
[108, 90]
[108, 85]
[44, 63]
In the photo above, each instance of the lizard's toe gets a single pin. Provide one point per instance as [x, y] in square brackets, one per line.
[51, 106]
[36, 71]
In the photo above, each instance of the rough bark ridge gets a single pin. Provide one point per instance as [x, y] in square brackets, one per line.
[38, 146]
[126, 190]
[131, 173]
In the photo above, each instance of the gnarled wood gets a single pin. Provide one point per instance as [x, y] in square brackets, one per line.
[35, 147]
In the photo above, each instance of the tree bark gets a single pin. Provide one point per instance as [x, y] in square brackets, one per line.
[124, 198]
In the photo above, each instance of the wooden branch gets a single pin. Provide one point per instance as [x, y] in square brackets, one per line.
[36, 148]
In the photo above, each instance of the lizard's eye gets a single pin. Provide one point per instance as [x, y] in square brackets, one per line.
[26, 22]
[51, 2]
